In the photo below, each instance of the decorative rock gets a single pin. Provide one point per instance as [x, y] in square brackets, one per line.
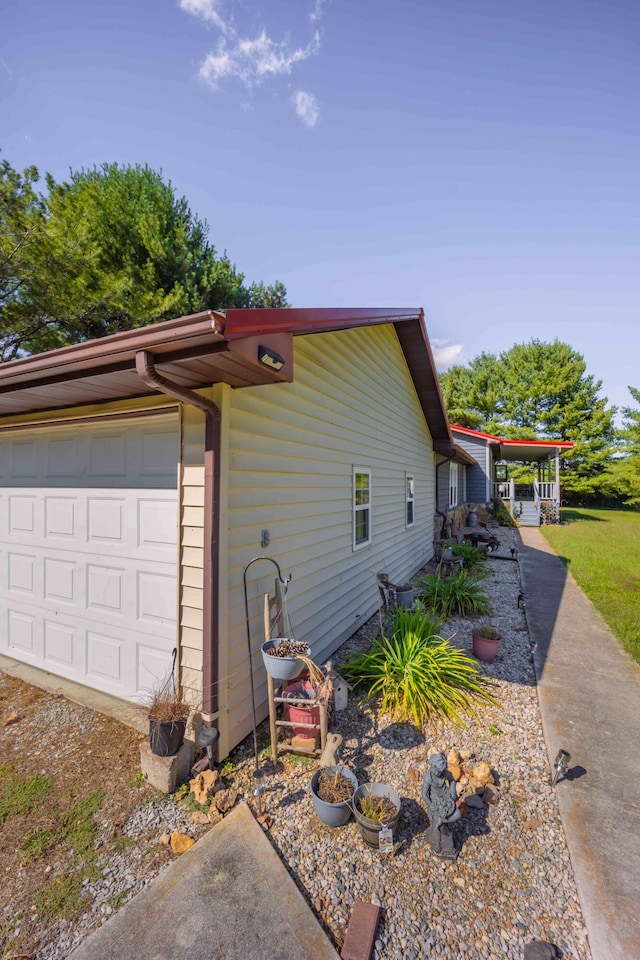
[12, 718]
[454, 770]
[414, 774]
[482, 772]
[180, 842]
[453, 757]
[198, 817]
[475, 801]
[165, 838]
[225, 800]
[205, 785]
[539, 950]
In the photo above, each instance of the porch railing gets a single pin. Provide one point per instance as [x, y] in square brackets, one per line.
[544, 490]
[503, 489]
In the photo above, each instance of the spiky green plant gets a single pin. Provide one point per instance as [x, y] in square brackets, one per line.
[458, 595]
[423, 623]
[419, 676]
[473, 556]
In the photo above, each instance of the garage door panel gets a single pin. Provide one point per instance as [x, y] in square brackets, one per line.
[89, 529]
[21, 572]
[22, 633]
[61, 581]
[60, 646]
[61, 518]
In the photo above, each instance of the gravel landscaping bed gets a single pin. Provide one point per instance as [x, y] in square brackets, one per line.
[513, 880]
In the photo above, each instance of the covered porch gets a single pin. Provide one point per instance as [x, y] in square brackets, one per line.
[537, 502]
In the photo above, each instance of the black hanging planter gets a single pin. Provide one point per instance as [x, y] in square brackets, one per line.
[166, 736]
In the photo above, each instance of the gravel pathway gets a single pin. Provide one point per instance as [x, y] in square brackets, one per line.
[513, 880]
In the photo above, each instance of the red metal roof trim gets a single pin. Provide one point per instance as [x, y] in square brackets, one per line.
[488, 436]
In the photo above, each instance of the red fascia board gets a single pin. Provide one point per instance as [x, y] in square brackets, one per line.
[247, 322]
[489, 436]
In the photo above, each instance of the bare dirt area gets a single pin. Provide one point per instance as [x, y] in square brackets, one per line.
[80, 830]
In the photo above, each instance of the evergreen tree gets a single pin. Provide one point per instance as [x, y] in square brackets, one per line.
[538, 391]
[111, 249]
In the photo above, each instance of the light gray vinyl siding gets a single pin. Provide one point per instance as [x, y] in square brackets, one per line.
[292, 452]
[477, 480]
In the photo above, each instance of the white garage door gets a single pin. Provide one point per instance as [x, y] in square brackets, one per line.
[88, 557]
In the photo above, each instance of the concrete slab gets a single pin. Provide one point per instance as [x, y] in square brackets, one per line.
[589, 693]
[227, 898]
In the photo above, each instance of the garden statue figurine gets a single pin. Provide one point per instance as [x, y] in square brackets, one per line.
[439, 794]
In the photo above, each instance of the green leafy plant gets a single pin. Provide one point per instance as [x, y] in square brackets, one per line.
[459, 594]
[473, 556]
[378, 809]
[418, 675]
[502, 515]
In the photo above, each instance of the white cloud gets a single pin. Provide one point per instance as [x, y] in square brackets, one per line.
[251, 60]
[445, 354]
[207, 10]
[306, 107]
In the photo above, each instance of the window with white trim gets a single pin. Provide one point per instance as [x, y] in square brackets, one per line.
[361, 507]
[453, 485]
[410, 496]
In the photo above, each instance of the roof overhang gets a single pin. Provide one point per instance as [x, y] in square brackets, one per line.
[206, 348]
[192, 351]
[530, 451]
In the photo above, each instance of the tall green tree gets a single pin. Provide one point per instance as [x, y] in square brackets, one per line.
[624, 470]
[112, 248]
[538, 390]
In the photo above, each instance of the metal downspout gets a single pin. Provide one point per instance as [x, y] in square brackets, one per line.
[211, 563]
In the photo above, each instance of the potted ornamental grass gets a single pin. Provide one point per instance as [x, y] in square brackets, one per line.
[168, 713]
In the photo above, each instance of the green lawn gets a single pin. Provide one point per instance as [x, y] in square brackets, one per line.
[601, 549]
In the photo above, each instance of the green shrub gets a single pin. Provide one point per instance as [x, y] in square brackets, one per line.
[459, 595]
[418, 675]
[473, 556]
[502, 515]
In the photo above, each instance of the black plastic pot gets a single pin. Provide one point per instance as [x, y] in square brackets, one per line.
[166, 736]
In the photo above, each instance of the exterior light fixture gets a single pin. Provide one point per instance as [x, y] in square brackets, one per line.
[269, 358]
[560, 766]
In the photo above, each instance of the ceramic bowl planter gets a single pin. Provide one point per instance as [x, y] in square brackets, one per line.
[486, 643]
[283, 667]
[370, 828]
[333, 814]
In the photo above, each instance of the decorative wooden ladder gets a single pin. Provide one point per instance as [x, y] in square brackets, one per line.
[274, 615]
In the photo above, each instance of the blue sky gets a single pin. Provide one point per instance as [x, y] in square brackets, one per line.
[481, 160]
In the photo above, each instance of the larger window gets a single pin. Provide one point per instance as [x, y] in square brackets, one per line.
[453, 485]
[361, 507]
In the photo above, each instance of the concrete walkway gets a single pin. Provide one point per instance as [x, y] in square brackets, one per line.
[227, 898]
[589, 692]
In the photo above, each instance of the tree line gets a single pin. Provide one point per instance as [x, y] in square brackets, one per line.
[542, 391]
[110, 249]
